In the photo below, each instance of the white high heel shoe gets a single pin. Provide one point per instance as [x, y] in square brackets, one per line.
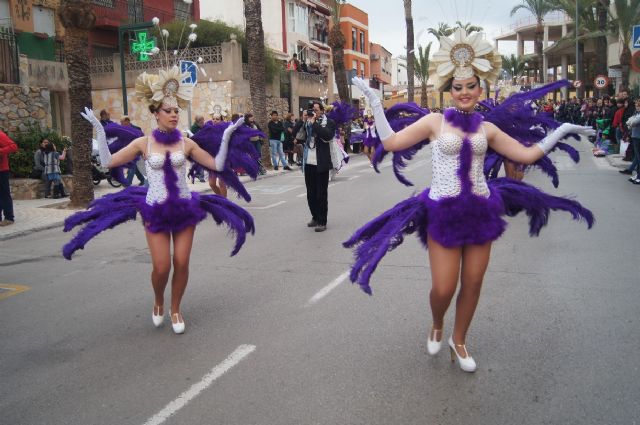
[466, 363]
[178, 326]
[433, 345]
[157, 319]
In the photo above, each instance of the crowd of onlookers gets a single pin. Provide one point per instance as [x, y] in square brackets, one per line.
[315, 67]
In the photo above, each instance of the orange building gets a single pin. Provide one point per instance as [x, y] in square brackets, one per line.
[354, 24]
[381, 65]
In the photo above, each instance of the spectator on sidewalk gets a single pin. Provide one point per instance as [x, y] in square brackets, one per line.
[634, 124]
[250, 121]
[38, 163]
[52, 160]
[198, 123]
[276, 137]
[289, 137]
[7, 146]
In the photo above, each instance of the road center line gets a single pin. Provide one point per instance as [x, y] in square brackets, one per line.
[267, 206]
[325, 291]
[354, 177]
[234, 358]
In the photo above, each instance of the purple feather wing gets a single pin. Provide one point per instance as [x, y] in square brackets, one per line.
[241, 153]
[518, 119]
[123, 136]
[400, 115]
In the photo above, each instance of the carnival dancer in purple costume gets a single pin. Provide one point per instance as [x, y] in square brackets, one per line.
[460, 215]
[169, 210]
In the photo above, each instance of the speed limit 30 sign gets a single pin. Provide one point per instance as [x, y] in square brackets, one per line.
[601, 81]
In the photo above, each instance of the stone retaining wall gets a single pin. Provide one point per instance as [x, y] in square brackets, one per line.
[21, 104]
[24, 189]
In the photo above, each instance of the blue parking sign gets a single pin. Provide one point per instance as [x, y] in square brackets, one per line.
[192, 69]
[636, 36]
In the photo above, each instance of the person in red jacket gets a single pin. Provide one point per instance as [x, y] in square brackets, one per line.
[7, 146]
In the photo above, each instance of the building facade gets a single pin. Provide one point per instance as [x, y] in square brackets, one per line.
[354, 24]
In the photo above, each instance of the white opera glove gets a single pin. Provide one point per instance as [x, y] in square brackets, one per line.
[101, 137]
[547, 144]
[224, 145]
[382, 125]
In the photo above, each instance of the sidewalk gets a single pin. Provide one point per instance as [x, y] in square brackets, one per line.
[40, 214]
[616, 161]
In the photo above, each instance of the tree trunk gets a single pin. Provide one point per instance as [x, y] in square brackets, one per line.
[601, 42]
[257, 85]
[441, 99]
[77, 58]
[336, 41]
[625, 64]
[580, 92]
[424, 101]
[538, 51]
[410, 53]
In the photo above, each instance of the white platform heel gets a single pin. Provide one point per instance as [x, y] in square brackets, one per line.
[466, 363]
[178, 324]
[157, 319]
[433, 345]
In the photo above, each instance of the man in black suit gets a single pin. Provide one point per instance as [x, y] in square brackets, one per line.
[319, 132]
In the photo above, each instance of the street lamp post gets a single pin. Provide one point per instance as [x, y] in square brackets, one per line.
[578, 89]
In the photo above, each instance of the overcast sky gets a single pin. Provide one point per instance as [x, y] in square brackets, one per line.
[387, 25]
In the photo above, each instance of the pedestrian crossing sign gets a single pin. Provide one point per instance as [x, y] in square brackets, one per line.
[636, 36]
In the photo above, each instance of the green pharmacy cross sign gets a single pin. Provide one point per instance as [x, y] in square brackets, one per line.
[142, 45]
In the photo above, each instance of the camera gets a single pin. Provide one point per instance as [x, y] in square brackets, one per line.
[310, 112]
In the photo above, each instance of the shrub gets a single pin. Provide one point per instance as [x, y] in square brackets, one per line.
[28, 140]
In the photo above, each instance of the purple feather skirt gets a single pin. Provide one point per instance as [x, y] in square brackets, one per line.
[172, 215]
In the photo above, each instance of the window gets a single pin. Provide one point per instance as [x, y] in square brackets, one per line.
[354, 39]
[43, 21]
[361, 42]
[362, 69]
[181, 10]
[354, 65]
[299, 19]
[5, 20]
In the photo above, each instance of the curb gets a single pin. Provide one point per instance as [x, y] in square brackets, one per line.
[61, 223]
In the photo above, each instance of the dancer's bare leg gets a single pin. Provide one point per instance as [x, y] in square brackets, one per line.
[475, 259]
[445, 270]
[159, 248]
[182, 242]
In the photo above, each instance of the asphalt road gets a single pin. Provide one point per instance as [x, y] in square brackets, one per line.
[276, 335]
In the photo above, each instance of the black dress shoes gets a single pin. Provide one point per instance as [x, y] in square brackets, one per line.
[312, 223]
[321, 228]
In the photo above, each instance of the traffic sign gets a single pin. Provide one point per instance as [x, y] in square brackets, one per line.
[636, 37]
[577, 83]
[192, 69]
[601, 81]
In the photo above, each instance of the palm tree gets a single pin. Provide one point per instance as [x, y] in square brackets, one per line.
[78, 18]
[443, 30]
[538, 8]
[513, 65]
[627, 15]
[336, 42]
[255, 48]
[410, 49]
[422, 73]
[468, 27]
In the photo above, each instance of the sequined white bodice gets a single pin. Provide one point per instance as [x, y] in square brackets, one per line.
[446, 163]
[154, 164]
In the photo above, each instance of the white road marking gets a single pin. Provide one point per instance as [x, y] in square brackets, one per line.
[266, 207]
[333, 184]
[325, 291]
[234, 358]
[354, 177]
[301, 195]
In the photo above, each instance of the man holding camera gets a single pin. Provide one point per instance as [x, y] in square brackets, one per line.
[319, 131]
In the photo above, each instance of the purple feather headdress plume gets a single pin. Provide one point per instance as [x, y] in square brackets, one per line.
[123, 135]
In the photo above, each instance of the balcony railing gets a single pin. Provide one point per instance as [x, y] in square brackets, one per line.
[113, 13]
[209, 54]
